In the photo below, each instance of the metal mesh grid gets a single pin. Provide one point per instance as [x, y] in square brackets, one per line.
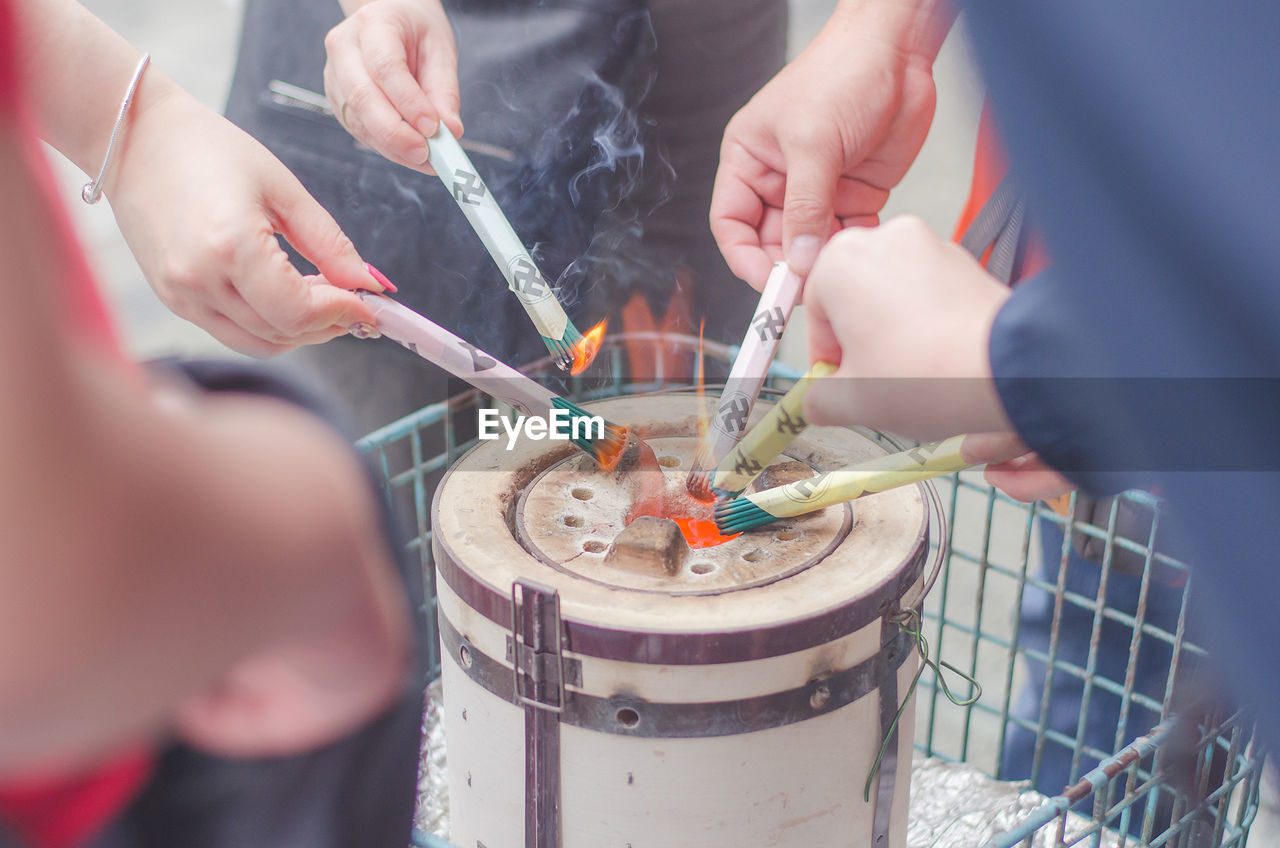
[1191, 780]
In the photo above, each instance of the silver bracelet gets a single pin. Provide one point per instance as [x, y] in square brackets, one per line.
[92, 191]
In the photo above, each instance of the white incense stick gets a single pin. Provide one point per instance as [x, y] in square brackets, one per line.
[747, 375]
[603, 440]
[460, 358]
[524, 279]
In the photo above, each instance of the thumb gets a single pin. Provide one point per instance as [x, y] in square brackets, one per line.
[314, 234]
[808, 216]
[333, 307]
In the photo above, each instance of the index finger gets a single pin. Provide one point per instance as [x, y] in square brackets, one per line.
[387, 61]
[313, 232]
[295, 305]
[737, 212]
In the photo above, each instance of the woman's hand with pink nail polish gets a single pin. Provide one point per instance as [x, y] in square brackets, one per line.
[201, 203]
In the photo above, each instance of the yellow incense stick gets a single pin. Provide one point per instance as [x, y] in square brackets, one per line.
[845, 484]
[770, 437]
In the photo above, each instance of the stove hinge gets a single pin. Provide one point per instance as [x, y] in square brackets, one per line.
[535, 650]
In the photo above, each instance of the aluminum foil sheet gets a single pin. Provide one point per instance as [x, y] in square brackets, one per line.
[432, 814]
[953, 805]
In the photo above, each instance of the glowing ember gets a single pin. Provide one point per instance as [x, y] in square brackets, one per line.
[702, 532]
[609, 451]
[584, 352]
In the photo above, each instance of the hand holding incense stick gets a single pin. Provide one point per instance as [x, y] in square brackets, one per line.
[845, 484]
[746, 377]
[767, 439]
[524, 279]
[468, 362]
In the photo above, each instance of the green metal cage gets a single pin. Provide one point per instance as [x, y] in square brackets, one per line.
[1174, 768]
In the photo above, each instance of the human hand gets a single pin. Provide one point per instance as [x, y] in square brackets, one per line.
[200, 202]
[339, 648]
[820, 146]
[392, 76]
[906, 316]
[1013, 468]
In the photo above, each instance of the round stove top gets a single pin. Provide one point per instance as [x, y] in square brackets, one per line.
[575, 518]
[543, 512]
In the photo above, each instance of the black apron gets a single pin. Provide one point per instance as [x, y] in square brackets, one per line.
[545, 87]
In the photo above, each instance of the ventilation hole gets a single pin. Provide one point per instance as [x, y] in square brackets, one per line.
[669, 461]
[594, 546]
[628, 717]
[573, 521]
[582, 493]
[754, 556]
[702, 568]
[786, 535]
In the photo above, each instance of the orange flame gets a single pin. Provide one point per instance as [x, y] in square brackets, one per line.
[702, 532]
[586, 348]
[611, 450]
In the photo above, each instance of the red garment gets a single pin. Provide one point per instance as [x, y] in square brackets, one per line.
[65, 810]
[990, 165]
[86, 309]
[69, 810]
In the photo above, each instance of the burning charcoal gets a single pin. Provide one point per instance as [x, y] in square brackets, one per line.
[649, 545]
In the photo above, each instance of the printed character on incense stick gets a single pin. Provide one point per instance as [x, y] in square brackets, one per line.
[770, 437]
[746, 376]
[468, 362]
[571, 350]
[846, 484]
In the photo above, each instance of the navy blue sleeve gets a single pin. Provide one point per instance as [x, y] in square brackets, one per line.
[1147, 138]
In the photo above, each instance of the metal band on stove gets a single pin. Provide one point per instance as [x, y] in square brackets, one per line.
[887, 681]
[705, 648]
[537, 682]
[629, 716]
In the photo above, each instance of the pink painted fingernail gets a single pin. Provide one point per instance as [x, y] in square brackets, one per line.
[381, 278]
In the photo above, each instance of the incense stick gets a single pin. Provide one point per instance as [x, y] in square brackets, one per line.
[845, 484]
[468, 362]
[746, 376]
[770, 437]
[524, 279]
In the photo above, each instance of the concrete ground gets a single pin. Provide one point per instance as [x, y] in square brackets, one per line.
[194, 41]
